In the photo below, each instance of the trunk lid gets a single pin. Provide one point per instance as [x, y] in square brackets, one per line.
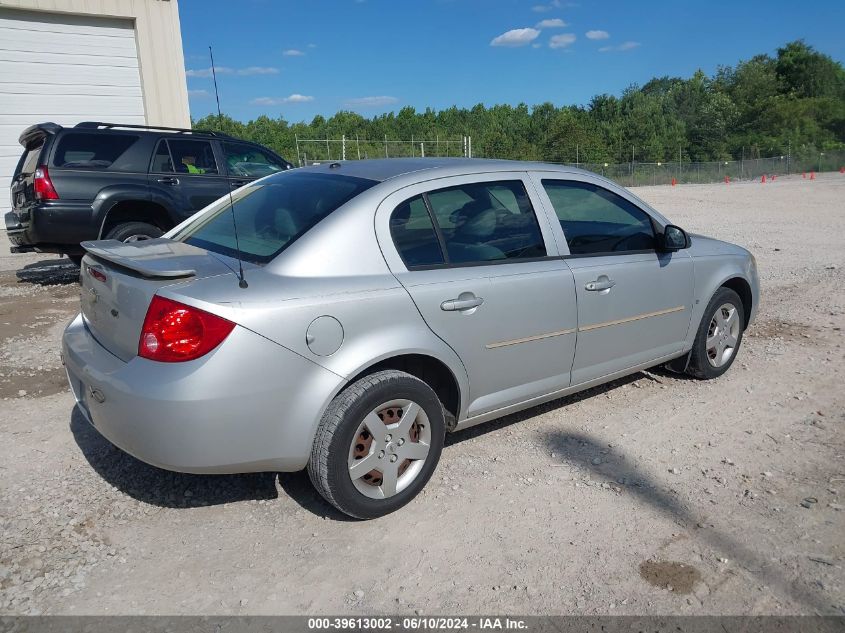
[119, 280]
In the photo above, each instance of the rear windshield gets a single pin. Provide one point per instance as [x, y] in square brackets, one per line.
[91, 151]
[271, 214]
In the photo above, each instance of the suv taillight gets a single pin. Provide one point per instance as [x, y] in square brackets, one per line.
[174, 332]
[43, 186]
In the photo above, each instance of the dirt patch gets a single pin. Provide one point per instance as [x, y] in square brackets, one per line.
[671, 575]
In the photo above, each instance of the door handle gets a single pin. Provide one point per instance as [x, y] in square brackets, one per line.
[461, 303]
[602, 283]
[168, 180]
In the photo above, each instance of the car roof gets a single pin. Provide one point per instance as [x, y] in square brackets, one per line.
[382, 169]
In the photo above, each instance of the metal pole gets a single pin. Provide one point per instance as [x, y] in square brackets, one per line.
[298, 156]
[385, 146]
[328, 151]
[576, 154]
[788, 155]
[422, 149]
[358, 146]
[469, 146]
[343, 147]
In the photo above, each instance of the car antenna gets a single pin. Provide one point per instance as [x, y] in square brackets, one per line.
[241, 279]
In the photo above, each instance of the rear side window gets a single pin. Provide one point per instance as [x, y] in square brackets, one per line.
[249, 161]
[92, 151]
[596, 221]
[186, 157]
[414, 235]
[487, 221]
[272, 214]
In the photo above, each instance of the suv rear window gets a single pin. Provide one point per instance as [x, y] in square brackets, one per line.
[271, 215]
[91, 151]
[29, 161]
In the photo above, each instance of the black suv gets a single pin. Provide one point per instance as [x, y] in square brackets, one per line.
[123, 182]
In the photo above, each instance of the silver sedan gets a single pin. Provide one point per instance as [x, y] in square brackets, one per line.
[343, 318]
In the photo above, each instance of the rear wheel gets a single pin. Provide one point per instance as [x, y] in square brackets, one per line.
[377, 444]
[133, 232]
[76, 259]
[719, 336]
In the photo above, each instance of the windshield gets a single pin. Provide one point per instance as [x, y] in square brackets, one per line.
[271, 214]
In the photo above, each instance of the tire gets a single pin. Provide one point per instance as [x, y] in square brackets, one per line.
[133, 231]
[76, 259]
[702, 363]
[334, 453]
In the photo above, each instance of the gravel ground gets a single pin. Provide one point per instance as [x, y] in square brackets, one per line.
[655, 494]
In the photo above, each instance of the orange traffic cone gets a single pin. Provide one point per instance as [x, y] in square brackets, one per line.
[763, 179]
[674, 182]
[812, 175]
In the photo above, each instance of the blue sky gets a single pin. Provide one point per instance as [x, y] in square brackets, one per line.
[297, 59]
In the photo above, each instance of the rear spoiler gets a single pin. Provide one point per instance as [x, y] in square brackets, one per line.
[39, 130]
[158, 258]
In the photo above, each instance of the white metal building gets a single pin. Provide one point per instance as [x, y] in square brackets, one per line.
[68, 61]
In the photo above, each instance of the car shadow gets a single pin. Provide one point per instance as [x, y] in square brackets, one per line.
[49, 272]
[623, 472]
[164, 488]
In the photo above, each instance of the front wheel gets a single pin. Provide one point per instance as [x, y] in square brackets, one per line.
[719, 336]
[377, 444]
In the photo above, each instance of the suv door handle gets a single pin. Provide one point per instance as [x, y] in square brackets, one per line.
[462, 303]
[168, 180]
[602, 283]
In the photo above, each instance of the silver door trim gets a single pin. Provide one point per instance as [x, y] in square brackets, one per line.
[528, 339]
[638, 317]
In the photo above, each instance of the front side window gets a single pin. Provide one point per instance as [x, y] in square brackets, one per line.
[248, 161]
[91, 151]
[486, 221]
[270, 215]
[596, 221]
[191, 157]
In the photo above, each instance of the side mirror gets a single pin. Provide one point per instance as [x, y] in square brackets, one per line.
[673, 238]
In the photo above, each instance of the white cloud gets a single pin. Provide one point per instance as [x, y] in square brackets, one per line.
[371, 102]
[258, 70]
[597, 35]
[515, 37]
[206, 72]
[551, 23]
[198, 94]
[562, 41]
[551, 6]
[274, 101]
[312, 46]
[293, 52]
[225, 70]
[624, 46]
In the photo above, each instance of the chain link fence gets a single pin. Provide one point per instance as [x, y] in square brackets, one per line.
[636, 174]
[631, 174]
[311, 151]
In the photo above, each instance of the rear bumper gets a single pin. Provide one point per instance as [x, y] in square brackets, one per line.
[55, 226]
[248, 406]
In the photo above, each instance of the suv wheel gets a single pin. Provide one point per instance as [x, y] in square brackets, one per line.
[719, 336]
[133, 232]
[377, 444]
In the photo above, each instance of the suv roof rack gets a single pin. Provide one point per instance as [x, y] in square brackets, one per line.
[96, 125]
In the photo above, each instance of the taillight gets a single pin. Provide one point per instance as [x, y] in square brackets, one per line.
[174, 332]
[43, 186]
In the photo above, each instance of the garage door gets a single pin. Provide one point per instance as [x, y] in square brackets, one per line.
[65, 69]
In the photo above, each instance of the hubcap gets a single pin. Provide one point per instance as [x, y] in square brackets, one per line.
[389, 449]
[722, 335]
